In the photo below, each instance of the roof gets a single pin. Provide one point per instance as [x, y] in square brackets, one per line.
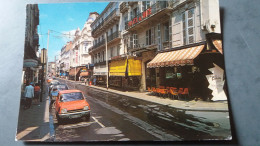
[69, 91]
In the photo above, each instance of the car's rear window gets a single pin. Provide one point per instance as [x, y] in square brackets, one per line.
[62, 87]
[71, 97]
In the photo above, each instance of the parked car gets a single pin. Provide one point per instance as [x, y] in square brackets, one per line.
[71, 104]
[52, 83]
[55, 89]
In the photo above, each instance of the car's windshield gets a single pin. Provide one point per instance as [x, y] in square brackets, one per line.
[62, 87]
[55, 82]
[71, 96]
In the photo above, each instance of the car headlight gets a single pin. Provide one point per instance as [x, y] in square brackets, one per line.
[85, 108]
[63, 111]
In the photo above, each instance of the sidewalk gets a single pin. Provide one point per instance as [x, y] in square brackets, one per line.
[33, 123]
[217, 106]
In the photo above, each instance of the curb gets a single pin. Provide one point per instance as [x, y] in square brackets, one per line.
[169, 105]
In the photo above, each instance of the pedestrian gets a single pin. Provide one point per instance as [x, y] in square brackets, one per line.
[28, 94]
[37, 90]
[85, 80]
[94, 80]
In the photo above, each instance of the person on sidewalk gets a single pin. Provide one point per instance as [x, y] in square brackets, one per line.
[28, 94]
[37, 90]
[85, 80]
[95, 80]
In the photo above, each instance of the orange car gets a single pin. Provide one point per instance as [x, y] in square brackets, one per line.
[71, 104]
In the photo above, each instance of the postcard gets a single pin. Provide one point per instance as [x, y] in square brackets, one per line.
[124, 71]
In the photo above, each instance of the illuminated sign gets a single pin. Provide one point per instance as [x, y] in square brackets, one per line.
[137, 19]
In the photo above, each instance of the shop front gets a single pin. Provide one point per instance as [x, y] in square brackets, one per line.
[175, 68]
[74, 73]
[100, 73]
[125, 73]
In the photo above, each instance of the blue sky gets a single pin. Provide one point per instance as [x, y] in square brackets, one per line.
[63, 17]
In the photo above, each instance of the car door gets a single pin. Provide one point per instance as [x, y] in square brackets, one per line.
[57, 103]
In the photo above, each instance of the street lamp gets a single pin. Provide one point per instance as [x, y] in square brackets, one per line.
[43, 62]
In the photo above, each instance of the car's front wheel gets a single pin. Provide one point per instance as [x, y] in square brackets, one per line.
[87, 117]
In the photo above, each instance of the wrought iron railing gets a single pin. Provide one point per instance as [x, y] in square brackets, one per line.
[111, 15]
[153, 9]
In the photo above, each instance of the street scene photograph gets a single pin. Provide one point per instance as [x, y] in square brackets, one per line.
[124, 71]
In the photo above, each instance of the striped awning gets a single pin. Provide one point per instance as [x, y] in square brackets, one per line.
[176, 58]
[218, 45]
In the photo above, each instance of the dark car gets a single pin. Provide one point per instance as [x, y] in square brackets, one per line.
[56, 88]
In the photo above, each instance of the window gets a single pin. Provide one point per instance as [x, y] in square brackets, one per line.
[188, 26]
[118, 50]
[170, 33]
[146, 5]
[153, 35]
[125, 20]
[135, 40]
[111, 52]
[159, 36]
[149, 37]
[103, 55]
[166, 31]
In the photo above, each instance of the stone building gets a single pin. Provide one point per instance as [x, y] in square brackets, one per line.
[169, 37]
[31, 44]
[106, 25]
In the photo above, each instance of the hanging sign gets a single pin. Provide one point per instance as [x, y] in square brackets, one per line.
[216, 83]
[144, 15]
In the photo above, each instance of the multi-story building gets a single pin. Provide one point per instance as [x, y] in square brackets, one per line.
[106, 34]
[65, 59]
[31, 44]
[170, 38]
[79, 55]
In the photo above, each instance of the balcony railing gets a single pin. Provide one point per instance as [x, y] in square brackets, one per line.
[110, 16]
[102, 42]
[124, 7]
[155, 8]
[113, 36]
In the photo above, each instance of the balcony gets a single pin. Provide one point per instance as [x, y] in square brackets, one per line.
[124, 7]
[113, 36]
[110, 39]
[108, 21]
[152, 14]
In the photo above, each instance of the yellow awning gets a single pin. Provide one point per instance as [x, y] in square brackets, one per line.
[176, 58]
[117, 68]
[134, 67]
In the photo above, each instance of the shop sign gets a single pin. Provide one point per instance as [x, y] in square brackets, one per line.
[137, 19]
[216, 83]
[30, 63]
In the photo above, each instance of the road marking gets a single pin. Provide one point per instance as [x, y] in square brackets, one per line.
[98, 122]
[77, 125]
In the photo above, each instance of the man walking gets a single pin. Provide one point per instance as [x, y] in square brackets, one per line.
[28, 94]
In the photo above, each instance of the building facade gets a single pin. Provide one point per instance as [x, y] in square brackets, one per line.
[31, 44]
[106, 34]
[169, 37]
[79, 54]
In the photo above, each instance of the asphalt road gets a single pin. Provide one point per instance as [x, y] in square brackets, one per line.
[117, 118]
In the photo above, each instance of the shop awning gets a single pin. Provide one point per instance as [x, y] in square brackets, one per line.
[117, 68]
[30, 63]
[134, 67]
[100, 70]
[84, 74]
[218, 45]
[176, 58]
[72, 71]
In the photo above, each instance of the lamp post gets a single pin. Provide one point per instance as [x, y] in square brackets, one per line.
[43, 62]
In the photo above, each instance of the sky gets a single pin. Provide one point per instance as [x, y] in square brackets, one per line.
[63, 18]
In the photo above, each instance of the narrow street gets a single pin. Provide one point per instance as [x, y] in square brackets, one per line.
[119, 118]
